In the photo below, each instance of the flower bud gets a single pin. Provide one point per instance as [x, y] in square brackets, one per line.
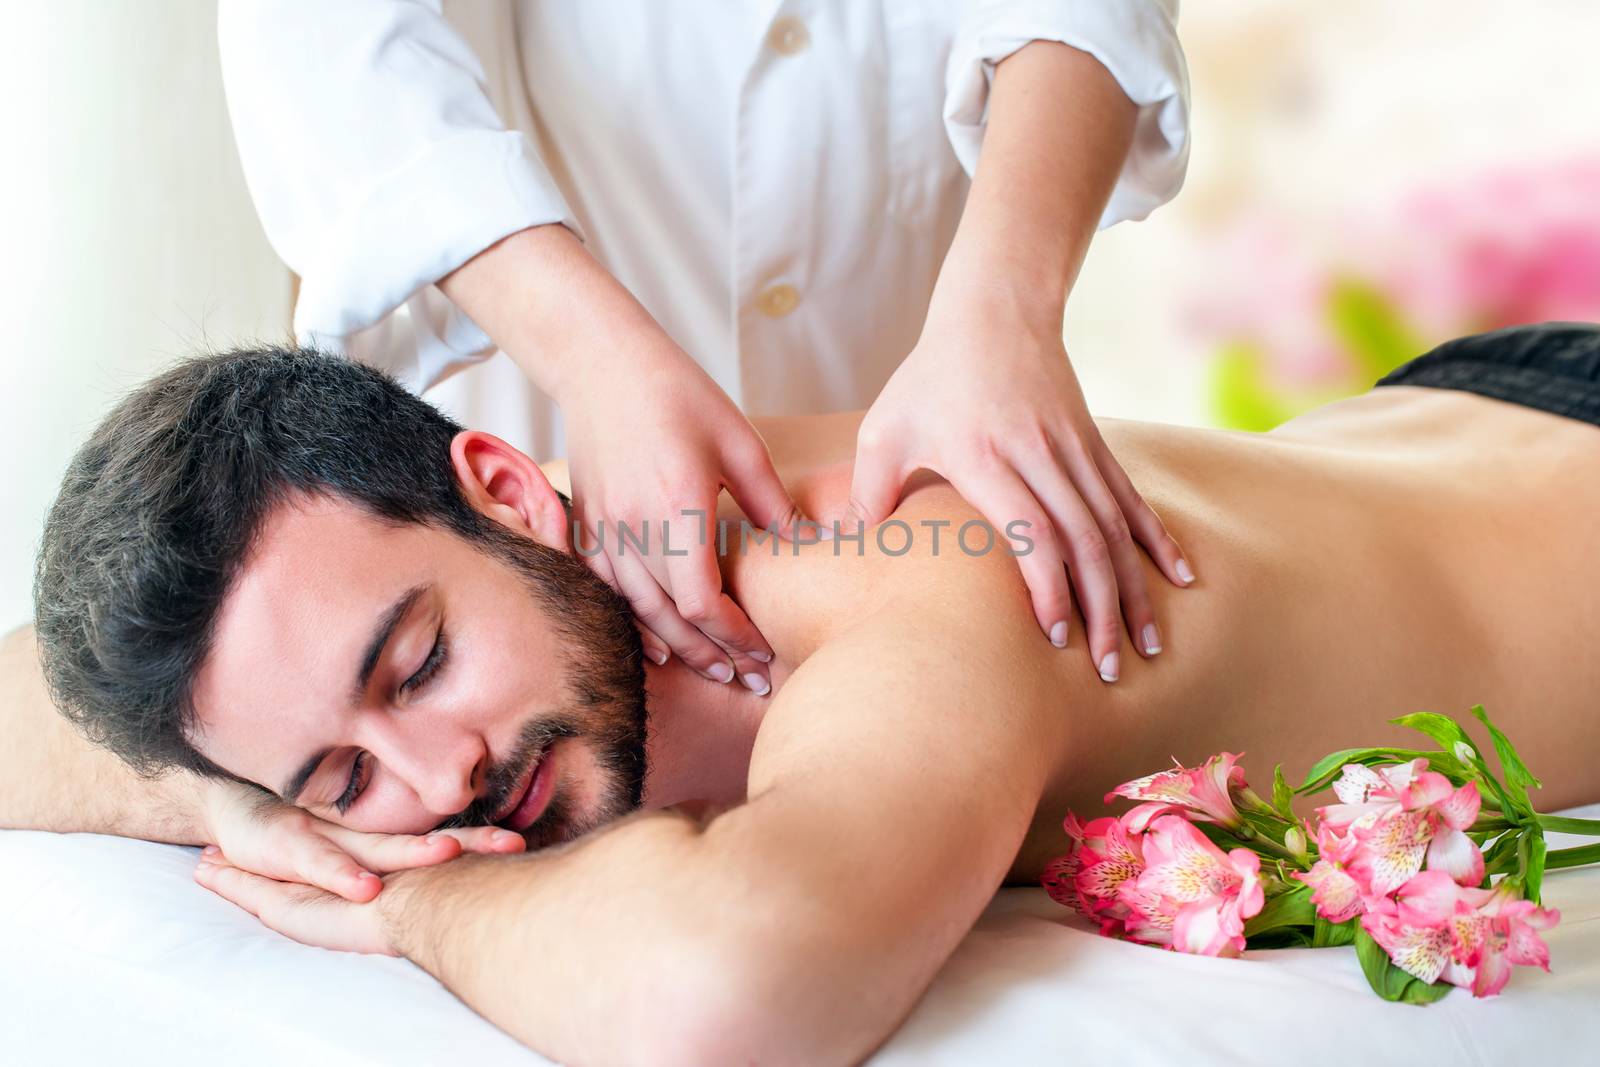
[1295, 840]
[1465, 752]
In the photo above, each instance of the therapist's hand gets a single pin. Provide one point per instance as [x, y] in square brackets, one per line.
[260, 835]
[650, 438]
[660, 446]
[988, 399]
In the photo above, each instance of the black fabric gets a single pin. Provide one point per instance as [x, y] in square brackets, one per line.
[1554, 367]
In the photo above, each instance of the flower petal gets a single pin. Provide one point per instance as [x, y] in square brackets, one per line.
[1453, 852]
[1460, 810]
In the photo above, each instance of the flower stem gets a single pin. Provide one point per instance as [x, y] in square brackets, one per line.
[1572, 857]
[1563, 825]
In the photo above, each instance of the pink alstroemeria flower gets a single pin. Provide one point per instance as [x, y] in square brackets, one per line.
[1202, 793]
[1335, 891]
[1487, 931]
[1399, 816]
[1191, 896]
[1089, 877]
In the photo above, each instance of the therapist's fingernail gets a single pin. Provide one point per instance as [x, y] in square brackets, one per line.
[1108, 667]
[1185, 575]
[658, 656]
[1058, 634]
[1151, 638]
[720, 672]
[756, 684]
[761, 657]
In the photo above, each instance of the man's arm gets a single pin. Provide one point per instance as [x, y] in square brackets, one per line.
[53, 778]
[893, 780]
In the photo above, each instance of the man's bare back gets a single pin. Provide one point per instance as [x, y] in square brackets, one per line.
[1408, 549]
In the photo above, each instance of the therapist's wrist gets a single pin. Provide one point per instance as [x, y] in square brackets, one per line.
[990, 296]
[560, 315]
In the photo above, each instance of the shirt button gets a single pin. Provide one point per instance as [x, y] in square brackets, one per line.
[778, 300]
[788, 36]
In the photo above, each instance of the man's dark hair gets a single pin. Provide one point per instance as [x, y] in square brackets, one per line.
[158, 511]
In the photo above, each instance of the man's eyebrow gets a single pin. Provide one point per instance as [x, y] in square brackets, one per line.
[369, 662]
[380, 637]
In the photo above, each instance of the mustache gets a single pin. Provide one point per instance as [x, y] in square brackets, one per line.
[533, 740]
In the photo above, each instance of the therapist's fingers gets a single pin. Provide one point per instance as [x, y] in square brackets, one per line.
[592, 551]
[1092, 562]
[1024, 528]
[1148, 529]
[877, 478]
[698, 596]
[1127, 562]
[754, 484]
[656, 609]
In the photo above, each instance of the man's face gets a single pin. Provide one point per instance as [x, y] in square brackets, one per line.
[399, 678]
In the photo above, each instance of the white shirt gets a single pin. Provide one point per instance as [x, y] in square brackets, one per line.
[777, 181]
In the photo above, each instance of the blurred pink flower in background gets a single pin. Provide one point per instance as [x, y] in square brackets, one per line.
[1301, 312]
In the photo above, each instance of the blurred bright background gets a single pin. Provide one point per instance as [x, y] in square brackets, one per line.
[1368, 178]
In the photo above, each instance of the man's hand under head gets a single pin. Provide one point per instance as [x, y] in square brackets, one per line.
[301, 856]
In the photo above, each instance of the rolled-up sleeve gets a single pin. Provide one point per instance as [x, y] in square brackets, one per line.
[1136, 40]
[373, 154]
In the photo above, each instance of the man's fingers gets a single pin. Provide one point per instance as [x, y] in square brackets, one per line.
[321, 863]
[486, 839]
[307, 915]
[1147, 527]
[386, 853]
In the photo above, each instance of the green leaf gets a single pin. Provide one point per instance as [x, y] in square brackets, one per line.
[1417, 991]
[1518, 778]
[1530, 862]
[1328, 767]
[1287, 909]
[1500, 857]
[1328, 935]
[1572, 857]
[1450, 736]
[1375, 964]
[1282, 796]
[1371, 327]
[1443, 729]
[1389, 981]
[1562, 824]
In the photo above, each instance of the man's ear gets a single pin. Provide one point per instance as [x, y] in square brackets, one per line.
[508, 487]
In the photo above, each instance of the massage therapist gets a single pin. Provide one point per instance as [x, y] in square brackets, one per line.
[670, 213]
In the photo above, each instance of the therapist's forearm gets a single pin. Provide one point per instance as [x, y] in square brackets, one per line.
[1059, 130]
[53, 778]
[560, 315]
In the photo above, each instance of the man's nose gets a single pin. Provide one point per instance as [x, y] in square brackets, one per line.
[445, 774]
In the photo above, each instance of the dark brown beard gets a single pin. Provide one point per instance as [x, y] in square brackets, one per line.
[605, 709]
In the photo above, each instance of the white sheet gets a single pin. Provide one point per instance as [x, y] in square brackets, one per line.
[111, 954]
